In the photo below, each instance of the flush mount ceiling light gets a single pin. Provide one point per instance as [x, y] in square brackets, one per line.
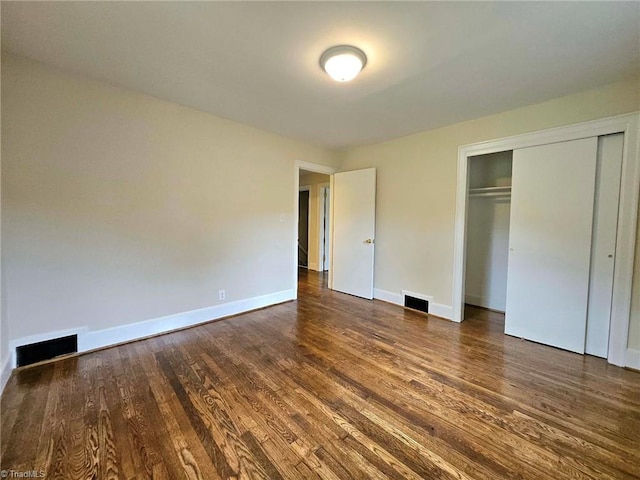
[343, 62]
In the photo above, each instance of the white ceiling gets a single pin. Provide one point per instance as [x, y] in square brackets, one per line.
[430, 64]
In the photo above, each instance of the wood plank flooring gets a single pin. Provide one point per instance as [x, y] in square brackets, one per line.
[329, 386]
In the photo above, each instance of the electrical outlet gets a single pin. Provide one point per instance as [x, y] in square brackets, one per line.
[221, 295]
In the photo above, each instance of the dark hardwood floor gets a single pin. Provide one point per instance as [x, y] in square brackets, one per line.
[329, 386]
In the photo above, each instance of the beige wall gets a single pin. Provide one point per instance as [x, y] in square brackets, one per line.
[313, 178]
[314, 181]
[118, 207]
[417, 183]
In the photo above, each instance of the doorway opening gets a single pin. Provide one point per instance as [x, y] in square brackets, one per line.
[489, 207]
[487, 248]
[303, 227]
[313, 221]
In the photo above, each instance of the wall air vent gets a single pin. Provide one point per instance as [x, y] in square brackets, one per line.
[416, 303]
[37, 352]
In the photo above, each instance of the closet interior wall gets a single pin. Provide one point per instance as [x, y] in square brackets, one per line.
[488, 230]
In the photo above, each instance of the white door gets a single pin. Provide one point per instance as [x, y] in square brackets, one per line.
[605, 227]
[354, 217]
[552, 204]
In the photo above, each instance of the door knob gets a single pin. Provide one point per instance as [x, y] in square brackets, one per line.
[368, 240]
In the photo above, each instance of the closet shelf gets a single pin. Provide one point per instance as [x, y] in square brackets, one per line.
[490, 192]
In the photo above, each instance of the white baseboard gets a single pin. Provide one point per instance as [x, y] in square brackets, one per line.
[440, 310]
[387, 296]
[421, 296]
[437, 309]
[632, 358]
[477, 300]
[5, 371]
[91, 340]
[314, 267]
[484, 302]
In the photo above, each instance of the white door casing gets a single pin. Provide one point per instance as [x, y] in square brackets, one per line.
[354, 203]
[552, 204]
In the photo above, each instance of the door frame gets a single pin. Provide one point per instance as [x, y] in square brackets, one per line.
[627, 215]
[311, 167]
[323, 214]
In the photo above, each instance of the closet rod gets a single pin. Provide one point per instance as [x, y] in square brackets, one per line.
[490, 192]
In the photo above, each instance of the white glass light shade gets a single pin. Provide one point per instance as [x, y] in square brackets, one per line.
[343, 63]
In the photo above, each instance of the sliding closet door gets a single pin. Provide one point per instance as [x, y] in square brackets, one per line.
[552, 201]
[605, 229]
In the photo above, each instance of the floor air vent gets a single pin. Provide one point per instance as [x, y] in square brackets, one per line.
[416, 303]
[37, 352]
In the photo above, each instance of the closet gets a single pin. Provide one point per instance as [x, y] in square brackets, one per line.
[541, 232]
[488, 212]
